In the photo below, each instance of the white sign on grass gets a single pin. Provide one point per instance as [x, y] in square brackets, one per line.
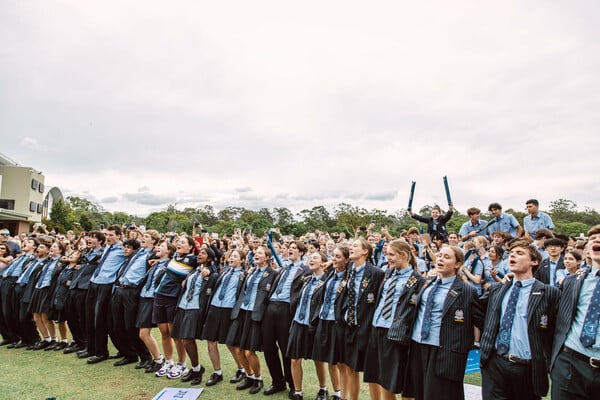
[178, 394]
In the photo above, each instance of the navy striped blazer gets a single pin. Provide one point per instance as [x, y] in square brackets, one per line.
[541, 319]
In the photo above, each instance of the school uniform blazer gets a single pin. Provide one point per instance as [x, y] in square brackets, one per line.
[85, 272]
[265, 284]
[297, 285]
[338, 297]
[567, 309]
[33, 278]
[366, 302]
[62, 289]
[543, 272]
[541, 319]
[459, 315]
[406, 310]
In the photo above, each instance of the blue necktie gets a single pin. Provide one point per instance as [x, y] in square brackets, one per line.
[507, 320]
[128, 265]
[351, 316]
[426, 327]
[305, 298]
[104, 257]
[40, 280]
[191, 288]
[386, 311]
[283, 278]
[249, 288]
[225, 284]
[590, 323]
[329, 296]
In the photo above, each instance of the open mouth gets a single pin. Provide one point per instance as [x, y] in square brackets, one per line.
[596, 247]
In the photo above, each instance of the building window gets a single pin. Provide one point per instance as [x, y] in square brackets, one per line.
[32, 206]
[35, 184]
[41, 188]
[7, 204]
[39, 208]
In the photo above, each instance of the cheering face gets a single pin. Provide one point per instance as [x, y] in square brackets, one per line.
[446, 264]
[315, 263]
[339, 261]
[82, 245]
[519, 260]
[435, 214]
[357, 251]
[594, 248]
[235, 260]
[293, 253]
[41, 251]
[111, 237]
[28, 245]
[147, 241]
[162, 251]
[54, 250]
[260, 258]
[202, 257]
[183, 246]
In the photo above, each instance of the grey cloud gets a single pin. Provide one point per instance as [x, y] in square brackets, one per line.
[243, 189]
[110, 199]
[148, 198]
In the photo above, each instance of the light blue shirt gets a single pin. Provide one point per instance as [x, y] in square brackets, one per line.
[48, 272]
[24, 278]
[469, 227]
[404, 274]
[148, 289]
[335, 280]
[519, 338]
[584, 301]
[110, 265]
[422, 265]
[358, 276]
[476, 269]
[230, 292]
[194, 290]
[555, 275]
[540, 221]
[15, 268]
[506, 223]
[253, 288]
[283, 290]
[436, 312]
[307, 291]
[136, 268]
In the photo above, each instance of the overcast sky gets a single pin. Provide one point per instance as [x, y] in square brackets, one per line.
[136, 105]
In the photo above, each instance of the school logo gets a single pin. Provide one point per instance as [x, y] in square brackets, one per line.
[459, 316]
[544, 321]
[370, 298]
[413, 299]
[268, 287]
[411, 282]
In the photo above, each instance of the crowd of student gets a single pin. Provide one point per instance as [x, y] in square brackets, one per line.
[403, 311]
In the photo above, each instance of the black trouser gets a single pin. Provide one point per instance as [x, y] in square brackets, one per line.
[9, 310]
[76, 301]
[124, 311]
[275, 331]
[99, 323]
[574, 379]
[27, 329]
[423, 383]
[505, 380]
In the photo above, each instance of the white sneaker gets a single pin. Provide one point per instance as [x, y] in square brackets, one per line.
[164, 370]
[177, 371]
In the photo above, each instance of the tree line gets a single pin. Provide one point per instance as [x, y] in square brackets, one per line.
[79, 214]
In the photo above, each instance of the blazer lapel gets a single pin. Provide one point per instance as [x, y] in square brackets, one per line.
[453, 294]
[537, 293]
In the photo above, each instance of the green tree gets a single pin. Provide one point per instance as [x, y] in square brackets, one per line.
[62, 216]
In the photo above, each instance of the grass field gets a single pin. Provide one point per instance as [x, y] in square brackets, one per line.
[43, 374]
